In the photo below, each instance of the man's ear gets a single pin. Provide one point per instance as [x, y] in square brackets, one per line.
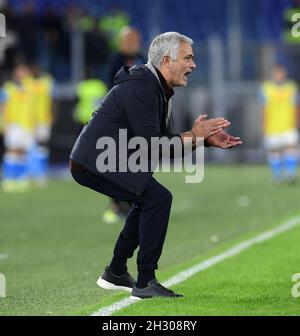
[167, 61]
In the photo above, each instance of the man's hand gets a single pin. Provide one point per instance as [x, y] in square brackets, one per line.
[223, 140]
[205, 128]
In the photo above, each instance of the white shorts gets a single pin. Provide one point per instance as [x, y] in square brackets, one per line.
[278, 141]
[17, 137]
[42, 133]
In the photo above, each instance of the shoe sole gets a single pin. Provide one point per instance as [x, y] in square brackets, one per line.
[154, 296]
[108, 285]
[136, 298]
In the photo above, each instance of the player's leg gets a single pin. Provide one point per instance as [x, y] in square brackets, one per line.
[39, 155]
[275, 164]
[121, 208]
[290, 163]
[117, 210]
[290, 155]
[17, 141]
[273, 145]
[110, 214]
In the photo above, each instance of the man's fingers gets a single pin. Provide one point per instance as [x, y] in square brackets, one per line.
[220, 124]
[233, 138]
[201, 117]
[215, 131]
[215, 126]
[237, 140]
[235, 143]
[224, 124]
[232, 142]
[215, 121]
[218, 119]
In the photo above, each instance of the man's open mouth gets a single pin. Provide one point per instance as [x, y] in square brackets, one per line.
[186, 74]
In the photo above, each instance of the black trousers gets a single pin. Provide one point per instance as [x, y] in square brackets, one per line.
[146, 223]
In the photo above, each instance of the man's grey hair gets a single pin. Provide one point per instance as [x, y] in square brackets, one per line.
[166, 44]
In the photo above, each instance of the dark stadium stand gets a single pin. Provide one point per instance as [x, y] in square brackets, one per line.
[261, 20]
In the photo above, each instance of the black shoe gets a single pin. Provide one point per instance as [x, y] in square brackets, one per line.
[109, 280]
[154, 289]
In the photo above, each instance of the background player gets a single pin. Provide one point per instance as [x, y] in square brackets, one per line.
[43, 91]
[280, 122]
[129, 54]
[18, 128]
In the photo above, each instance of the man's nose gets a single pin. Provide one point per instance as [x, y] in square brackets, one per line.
[193, 65]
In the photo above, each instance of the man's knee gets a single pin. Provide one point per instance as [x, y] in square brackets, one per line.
[158, 193]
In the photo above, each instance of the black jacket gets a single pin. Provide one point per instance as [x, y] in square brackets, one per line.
[136, 103]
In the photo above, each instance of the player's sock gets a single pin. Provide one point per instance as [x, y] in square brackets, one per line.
[21, 168]
[290, 165]
[14, 172]
[144, 276]
[38, 162]
[14, 166]
[275, 164]
[22, 173]
[10, 166]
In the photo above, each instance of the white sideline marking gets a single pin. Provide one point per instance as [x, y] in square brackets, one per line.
[180, 277]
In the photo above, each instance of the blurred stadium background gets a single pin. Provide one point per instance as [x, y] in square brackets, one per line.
[53, 244]
[236, 43]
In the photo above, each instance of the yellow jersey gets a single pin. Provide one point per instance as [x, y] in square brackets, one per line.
[18, 105]
[42, 89]
[280, 101]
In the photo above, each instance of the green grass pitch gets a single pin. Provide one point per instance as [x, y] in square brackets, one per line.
[57, 247]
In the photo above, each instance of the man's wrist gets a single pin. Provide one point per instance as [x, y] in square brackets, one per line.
[189, 137]
[194, 138]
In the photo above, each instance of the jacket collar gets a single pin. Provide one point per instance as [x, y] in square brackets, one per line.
[168, 92]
